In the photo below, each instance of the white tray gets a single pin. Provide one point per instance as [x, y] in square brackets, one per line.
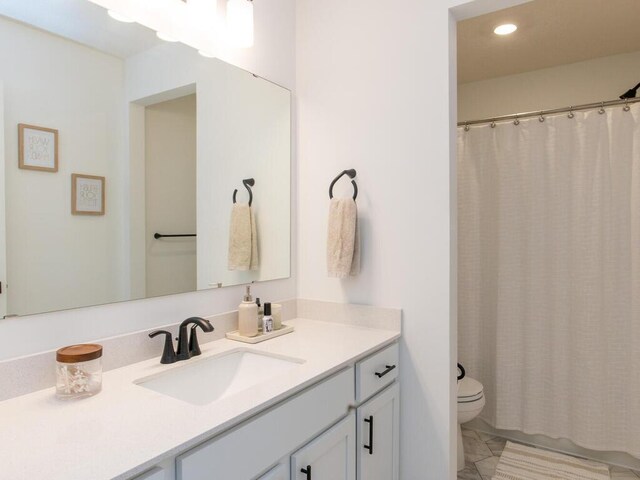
[260, 337]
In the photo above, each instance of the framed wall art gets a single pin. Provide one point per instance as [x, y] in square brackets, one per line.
[38, 148]
[87, 194]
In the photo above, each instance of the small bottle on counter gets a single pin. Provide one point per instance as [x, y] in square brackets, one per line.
[78, 371]
[248, 316]
[267, 321]
[260, 314]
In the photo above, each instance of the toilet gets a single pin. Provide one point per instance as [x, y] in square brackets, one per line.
[470, 403]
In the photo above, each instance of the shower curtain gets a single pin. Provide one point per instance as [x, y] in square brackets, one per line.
[549, 274]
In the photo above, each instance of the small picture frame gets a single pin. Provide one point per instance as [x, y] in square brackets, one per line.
[38, 148]
[87, 194]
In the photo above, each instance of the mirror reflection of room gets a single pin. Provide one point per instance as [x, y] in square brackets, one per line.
[120, 177]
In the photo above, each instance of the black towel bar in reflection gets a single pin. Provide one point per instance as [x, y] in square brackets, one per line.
[160, 235]
[248, 183]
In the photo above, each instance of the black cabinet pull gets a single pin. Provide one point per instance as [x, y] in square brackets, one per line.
[370, 446]
[388, 369]
[307, 471]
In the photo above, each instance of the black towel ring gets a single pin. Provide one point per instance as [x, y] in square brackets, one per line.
[351, 174]
[248, 183]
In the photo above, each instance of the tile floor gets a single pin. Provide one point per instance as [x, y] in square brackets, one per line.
[482, 452]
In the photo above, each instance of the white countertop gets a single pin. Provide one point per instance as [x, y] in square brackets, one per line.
[126, 428]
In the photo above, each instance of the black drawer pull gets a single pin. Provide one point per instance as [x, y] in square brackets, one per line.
[388, 369]
[307, 471]
[370, 446]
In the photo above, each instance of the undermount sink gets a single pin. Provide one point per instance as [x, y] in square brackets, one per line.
[204, 380]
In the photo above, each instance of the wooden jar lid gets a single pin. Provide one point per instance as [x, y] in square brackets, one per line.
[79, 353]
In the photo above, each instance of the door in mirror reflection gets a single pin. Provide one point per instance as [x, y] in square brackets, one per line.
[170, 196]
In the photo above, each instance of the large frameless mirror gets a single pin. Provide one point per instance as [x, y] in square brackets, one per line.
[134, 167]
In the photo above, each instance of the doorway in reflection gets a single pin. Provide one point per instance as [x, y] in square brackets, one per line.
[170, 196]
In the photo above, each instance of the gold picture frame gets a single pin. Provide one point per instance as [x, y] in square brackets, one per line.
[88, 195]
[37, 148]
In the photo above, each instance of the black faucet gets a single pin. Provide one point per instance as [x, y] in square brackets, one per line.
[188, 348]
[168, 354]
[187, 345]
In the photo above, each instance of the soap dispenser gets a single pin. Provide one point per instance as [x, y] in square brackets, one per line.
[248, 316]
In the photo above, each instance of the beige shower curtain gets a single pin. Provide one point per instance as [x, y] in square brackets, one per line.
[549, 274]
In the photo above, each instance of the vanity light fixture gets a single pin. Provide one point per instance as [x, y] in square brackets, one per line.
[240, 23]
[506, 29]
[193, 22]
[119, 16]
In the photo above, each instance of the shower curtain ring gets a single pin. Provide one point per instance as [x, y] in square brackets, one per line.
[541, 117]
[601, 111]
[493, 124]
[571, 115]
[626, 107]
[466, 126]
[516, 122]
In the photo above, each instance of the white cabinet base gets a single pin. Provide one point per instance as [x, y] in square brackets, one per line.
[363, 445]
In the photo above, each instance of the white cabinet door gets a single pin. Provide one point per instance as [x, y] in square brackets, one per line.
[331, 456]
[378, 436]
[279, 472]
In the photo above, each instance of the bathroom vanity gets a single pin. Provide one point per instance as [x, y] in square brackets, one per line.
[325, 405]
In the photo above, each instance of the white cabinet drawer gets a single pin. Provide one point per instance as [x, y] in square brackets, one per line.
[376, 372]
[251, 448]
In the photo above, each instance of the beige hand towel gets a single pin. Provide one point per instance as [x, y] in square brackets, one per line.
[343, 238]
[243, 239]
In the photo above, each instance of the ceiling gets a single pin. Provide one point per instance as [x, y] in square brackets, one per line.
[550, 33]
[83, 22]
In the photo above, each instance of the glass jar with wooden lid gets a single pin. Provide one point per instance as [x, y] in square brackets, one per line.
[78, 371]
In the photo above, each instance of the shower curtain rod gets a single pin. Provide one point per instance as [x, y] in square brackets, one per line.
[542, 113]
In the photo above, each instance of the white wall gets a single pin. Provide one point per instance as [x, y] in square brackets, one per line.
[170, 190]
[273, 57]
[43, 238]
[590, 81]
[376, 88]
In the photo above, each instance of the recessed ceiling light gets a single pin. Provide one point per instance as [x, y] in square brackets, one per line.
[505, 29]
[118, 16]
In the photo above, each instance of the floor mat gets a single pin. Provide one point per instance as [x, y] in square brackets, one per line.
[519, 462]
